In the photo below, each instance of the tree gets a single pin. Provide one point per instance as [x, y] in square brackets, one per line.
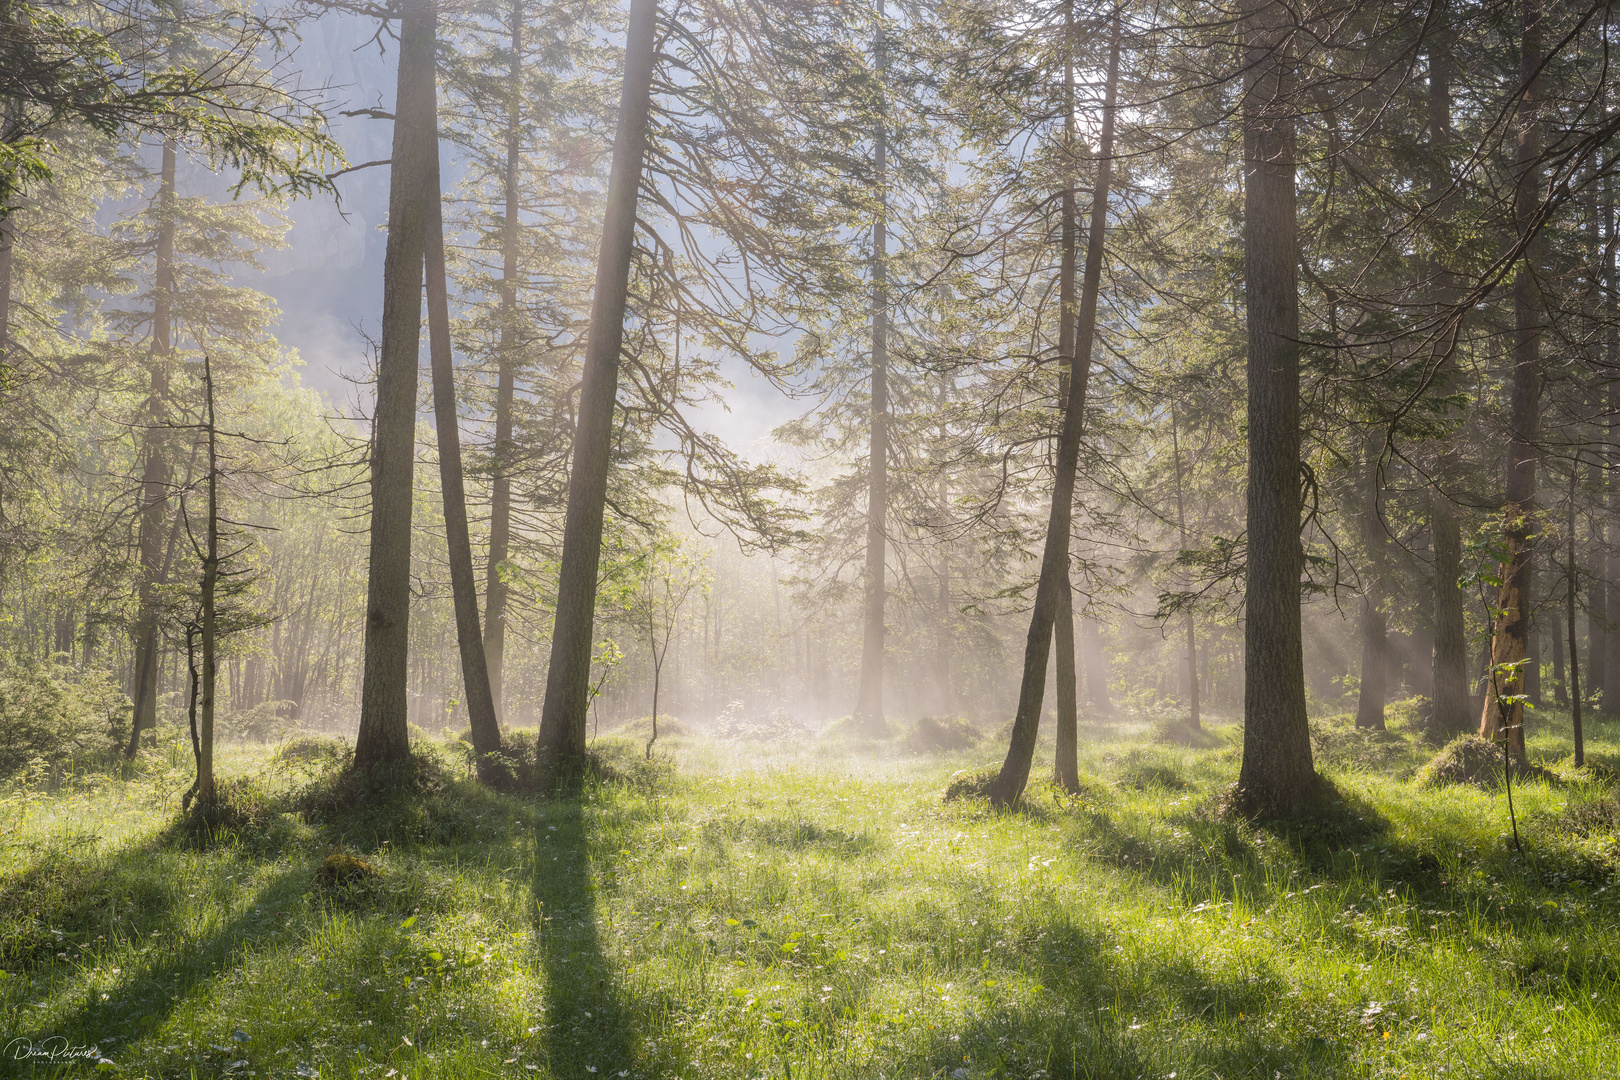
[1277, 774]
[562, 722]
[1054, 579]
[383, 736]
[1512, 610]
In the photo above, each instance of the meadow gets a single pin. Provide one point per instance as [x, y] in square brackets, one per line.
[818, 911]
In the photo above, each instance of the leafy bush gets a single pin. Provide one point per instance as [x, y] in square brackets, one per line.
[49, 712]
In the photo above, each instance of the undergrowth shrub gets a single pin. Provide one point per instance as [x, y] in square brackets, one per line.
[1469, 759]
[940, 734]
[966, 784]
[53, 714]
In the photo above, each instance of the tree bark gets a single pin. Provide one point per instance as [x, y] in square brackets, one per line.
[155, 469]
[496, 592]
[210, 580]
[1277, 774]
[1450, 664]
[1054, 578]
[1572, 577]
[485, 728]
[562, 718]
[384, 717]
[1510, 639]
[869, 695]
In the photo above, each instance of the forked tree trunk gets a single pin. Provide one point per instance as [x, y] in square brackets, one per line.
[1510, 639]
[562, 719]
[155, 467]
[869, 694]
[383, 735]
[1277, 774]
[1014, 775]
[485, 728]
[496, 592]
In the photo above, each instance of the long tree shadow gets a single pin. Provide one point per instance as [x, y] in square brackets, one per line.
[145, 996]
[587, 1029]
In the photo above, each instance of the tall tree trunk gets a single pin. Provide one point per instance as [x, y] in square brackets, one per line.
[384, 701]
[210, 581]
[485, 728]
[1598, 635]
[1194, 720]
[1510, 639]
[1450, 671]
[1374, 632]
[155, 478]
[1277, 773]
[562, 719]
[1572, 576]
[869, 695]
[1054, 579]
[1065, 763]
[500, 504]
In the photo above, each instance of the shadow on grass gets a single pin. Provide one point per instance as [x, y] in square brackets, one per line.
[1087, 1023]
[588, 1029]
[175, 969]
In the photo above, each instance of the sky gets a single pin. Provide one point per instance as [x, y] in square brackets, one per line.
[328, 280]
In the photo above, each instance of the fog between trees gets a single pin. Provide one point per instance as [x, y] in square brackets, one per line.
[1261, 357]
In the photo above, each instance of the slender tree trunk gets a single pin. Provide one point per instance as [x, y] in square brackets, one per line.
[485, 728]
[1065, 763]
[155, 478]
[500, 506]
[1598, 635]
[1374, 633]
[1571, 581]
[1561, 690]
[1277, 774]
[1181, 526]
[8, 233]
[210, 581]
[1450, 665]
[869, 696]
[562, 720]
[384, 701]
[1510, 640]
[1054, 578]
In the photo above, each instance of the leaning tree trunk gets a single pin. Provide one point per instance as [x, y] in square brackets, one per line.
[383, 735]
[155, 470]
[1014, 775]
[486, 729]
[496, 591]
[562, 718]
[1065, 761]
[869, 695]
[1510, 639]
[1277, 774]
[1374, 631]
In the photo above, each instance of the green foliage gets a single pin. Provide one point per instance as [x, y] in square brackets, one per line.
[762, 912]
[53, 715]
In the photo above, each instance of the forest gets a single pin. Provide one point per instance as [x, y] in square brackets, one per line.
[809, 538]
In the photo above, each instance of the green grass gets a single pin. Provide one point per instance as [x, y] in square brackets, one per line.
[820, 914]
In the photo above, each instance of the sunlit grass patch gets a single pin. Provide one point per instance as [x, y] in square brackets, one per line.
[830, 918]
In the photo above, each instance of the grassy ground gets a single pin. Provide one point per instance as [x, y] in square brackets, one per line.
[818, 913]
